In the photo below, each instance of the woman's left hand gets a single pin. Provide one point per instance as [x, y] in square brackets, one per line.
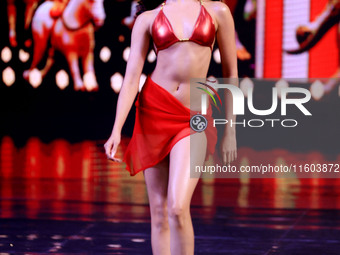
[228, 149]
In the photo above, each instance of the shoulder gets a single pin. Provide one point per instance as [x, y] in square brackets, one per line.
[219, 10]
[145, 19]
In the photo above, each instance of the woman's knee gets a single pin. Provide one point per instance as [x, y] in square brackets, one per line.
[159, 215]
[178, 214]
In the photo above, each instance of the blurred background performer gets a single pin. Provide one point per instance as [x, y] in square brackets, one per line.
[31, 5]
[160, 145]
[69, 27]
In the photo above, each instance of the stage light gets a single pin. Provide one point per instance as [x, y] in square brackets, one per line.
[245, 85]
[35, 78]
[138, 240]
[317, 90]
[152, 56]
[115, 246]
[217, 56]
[6, 54]
[126, 53]
[8, 76]
[62, 79]
[23, 56]
[211, 80]
[90, 81]
[28, 43]
[57, 237]
[121, 38]
[105, 54]
[116, 82]
[141, 81]
[280, 85]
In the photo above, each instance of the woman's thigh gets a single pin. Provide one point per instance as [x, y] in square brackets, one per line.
[186, 153]
[156, 179]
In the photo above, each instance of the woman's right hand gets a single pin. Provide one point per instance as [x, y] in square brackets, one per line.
[111, 146]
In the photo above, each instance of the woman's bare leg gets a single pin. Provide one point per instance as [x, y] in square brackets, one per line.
[180, 190]
[156, 179]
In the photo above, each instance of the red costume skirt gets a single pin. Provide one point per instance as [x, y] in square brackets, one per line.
[161, 121]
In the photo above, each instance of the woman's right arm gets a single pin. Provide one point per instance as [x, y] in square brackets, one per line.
[140, 39]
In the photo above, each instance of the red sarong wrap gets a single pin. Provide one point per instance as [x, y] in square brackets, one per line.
[161, 121]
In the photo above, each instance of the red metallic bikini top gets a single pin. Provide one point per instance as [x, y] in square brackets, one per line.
[203, 32]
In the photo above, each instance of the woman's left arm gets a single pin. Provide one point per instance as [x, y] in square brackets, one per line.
[227, 46]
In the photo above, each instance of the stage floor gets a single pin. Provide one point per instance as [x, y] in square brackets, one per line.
[67, 217]
[107, 211]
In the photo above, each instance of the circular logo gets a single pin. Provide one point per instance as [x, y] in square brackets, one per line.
[198, 123]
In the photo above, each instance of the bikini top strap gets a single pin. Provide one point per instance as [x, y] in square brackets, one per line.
[163, 5]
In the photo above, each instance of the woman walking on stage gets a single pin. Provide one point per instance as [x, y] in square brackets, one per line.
[183, 33]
